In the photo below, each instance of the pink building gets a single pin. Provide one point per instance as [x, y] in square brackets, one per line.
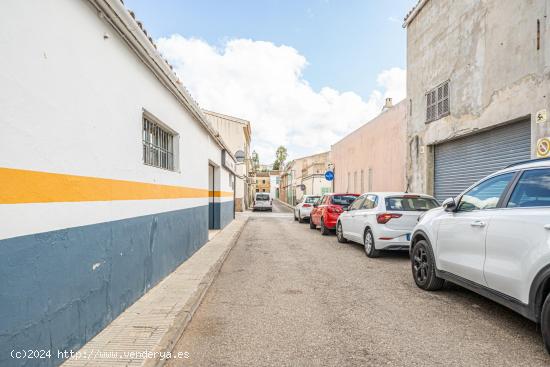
[373, 157]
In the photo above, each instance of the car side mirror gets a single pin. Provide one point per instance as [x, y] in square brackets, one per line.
[449, 204]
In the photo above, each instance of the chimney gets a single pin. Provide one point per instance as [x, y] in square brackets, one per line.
[388, 104]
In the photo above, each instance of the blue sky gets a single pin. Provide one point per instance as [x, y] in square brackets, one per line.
[347, 43]
[304, 73]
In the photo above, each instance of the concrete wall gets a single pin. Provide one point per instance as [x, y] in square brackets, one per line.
[488, 51]
[87, 228]
[378, 149]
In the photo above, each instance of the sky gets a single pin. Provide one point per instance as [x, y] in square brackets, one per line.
[304, 73]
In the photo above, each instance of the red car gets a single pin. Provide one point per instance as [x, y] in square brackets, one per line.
[327, 209]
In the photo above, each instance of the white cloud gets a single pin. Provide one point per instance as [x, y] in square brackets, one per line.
[263, 83]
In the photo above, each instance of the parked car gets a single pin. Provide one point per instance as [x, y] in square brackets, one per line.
[493, 239]
[382, 220]
[262, 201]
[327, 209]
[302, 210]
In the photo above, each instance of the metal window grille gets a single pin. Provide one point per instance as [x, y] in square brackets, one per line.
[437, 102]
[158, 146]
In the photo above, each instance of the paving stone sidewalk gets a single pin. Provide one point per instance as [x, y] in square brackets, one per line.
[148, 329]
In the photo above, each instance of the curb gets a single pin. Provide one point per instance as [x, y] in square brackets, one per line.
[174, 334]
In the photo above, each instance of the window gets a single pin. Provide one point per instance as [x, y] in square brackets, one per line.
[355, 181]
[370, 202]
[311, 199]
[357, 203]
[348, 183]
[262, 197]
[344, 200]
[158, 145]
[485, 195]
[532, 190]
[257, 190]
[370, 179]
[410, 203]
[437, 102]
[263, 182]
[362, 181]
[263, 190]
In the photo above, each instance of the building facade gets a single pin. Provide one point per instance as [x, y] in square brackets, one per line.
[304, 176]
[236, 133]
[478, 77]
[373, 157]
[263, 182]
[111, 175]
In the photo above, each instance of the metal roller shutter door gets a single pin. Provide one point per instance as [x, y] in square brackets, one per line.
[460, 163]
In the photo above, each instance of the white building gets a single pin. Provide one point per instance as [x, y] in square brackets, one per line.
[236, 133]
[111, 175]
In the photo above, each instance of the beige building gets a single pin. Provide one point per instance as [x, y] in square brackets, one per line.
[236, 133]
[478, 83]
[373, 157]
[304, 176]
[263, 183]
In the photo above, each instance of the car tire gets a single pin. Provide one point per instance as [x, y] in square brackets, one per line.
[340, 233]
[368, 242]
[423, 267]
[311, 224]
[545, 323]
[324, 230]
[295, 216]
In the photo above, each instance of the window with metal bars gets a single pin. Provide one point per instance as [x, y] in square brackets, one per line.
[158, 145]
[437, 102]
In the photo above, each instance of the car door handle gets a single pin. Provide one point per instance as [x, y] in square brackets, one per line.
[477, 223]
[547, 226]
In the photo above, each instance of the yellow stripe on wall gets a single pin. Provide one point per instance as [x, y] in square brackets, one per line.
[22, 186]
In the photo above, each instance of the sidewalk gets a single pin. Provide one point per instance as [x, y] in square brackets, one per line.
[285, 204]
[155, 322]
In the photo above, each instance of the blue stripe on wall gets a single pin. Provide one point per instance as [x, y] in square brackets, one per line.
[50, 298]
[222, 214]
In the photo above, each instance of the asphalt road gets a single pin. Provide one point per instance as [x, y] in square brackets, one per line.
[288, 296]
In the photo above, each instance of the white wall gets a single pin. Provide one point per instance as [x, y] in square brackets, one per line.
[72, 103]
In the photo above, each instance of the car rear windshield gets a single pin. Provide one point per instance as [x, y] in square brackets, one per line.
[343, 200]
[262, 197]
[311, 199]
[406, 203]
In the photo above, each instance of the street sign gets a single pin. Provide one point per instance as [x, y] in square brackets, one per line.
[329, 175]
[543, 148]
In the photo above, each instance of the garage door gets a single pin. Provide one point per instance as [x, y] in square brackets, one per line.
[462, 162]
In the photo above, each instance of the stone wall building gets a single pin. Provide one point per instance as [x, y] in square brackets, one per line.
[478, 86]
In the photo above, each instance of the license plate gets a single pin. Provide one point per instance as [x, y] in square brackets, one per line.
[408, 236]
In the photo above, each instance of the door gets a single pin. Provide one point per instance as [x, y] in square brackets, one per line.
[461, 235]
[211, 200]
[462, 162]
[315, 217]
[363, 216]
[350, 229]
[517, 239]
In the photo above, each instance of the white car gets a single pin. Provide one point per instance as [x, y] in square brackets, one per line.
[493, 239]
[302, 210]
[262, 201]
[382, 220]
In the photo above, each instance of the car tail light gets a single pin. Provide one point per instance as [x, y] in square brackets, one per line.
[386, 217]
[306, 205]
[334, 209]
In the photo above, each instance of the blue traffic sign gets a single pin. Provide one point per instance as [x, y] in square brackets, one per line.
[329, 175]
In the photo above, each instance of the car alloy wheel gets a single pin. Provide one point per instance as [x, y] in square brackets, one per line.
[420, 264]
[340, 233]
[368, 241]
[423, 267]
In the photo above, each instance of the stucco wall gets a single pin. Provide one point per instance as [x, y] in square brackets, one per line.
[95, 228]
[488, 52]
[378, 147]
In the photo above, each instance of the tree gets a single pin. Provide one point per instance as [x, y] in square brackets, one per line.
[280, 157]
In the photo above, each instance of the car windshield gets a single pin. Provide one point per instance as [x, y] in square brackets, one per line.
[410, 203]
[343, 200]
[262, 197]
[311, 199]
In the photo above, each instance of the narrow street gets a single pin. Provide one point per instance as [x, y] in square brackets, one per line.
[288, 296]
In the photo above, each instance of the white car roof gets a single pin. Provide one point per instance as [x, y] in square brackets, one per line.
[396, 193]
[535, 163]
